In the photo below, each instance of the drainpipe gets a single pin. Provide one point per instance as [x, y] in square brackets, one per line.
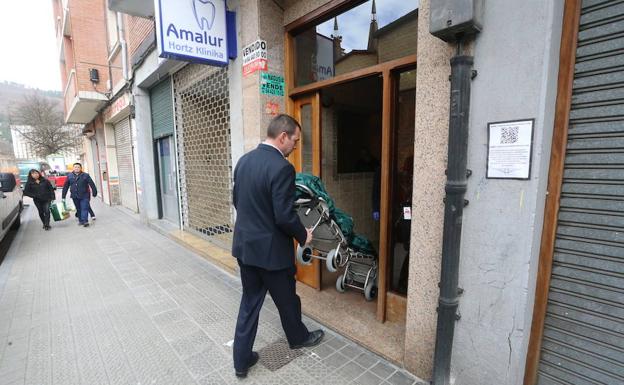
[457, 173]
[121, 31]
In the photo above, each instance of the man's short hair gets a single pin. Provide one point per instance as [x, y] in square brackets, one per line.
[78, 164]
[282, 123]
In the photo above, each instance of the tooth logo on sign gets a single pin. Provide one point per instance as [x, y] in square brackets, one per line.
[204, 11]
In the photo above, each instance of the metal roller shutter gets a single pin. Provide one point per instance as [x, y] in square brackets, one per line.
[125, 165]
[583, 340]
[161, 103]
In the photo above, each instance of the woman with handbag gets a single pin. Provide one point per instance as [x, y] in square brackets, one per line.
[42, 192]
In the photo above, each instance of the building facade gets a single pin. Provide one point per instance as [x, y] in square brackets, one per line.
[95, 72]
[541, 255]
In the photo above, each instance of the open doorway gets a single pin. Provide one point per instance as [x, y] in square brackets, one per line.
[343, 143]
[351, 116]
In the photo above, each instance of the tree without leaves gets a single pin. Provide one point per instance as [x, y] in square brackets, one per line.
[40, 122]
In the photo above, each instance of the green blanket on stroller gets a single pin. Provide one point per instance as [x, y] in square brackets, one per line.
[343, 220]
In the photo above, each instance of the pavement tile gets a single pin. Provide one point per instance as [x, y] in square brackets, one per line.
[368, 378]
[383, 370]
[366, 360]
[131, 307]
[335, 343]
[400, 378]
[199, 365]
[336, 360]
[352, 351]
[322, 351]
[191, 344]
[350, 371]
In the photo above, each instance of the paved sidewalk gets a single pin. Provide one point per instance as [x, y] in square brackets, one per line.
[118, 303]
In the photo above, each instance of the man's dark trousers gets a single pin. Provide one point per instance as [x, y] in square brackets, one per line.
[82, 209]
[281, 285]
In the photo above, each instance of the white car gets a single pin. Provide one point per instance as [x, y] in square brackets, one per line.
[11, 204]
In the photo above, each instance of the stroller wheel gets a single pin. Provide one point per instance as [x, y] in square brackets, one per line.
[370, 291]
[333, 260]
[304, 255]
[340, 284]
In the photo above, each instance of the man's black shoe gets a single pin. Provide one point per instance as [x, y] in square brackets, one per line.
[314, 338]
[254, 359]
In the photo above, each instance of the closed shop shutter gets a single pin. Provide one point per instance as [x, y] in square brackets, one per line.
[161, 103]
[202, 108]
[583, 340]
[125, 165]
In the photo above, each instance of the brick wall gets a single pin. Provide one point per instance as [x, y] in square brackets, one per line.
[399, 42]
[138, 29]
[354, 62]
[88, 29]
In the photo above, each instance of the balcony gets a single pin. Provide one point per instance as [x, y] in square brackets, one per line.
[66, 24]
[141, 8]
[81, 106]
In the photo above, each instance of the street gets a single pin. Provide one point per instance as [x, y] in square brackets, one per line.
[119, 303]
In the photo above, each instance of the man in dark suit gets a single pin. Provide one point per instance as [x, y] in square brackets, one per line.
[266, 223]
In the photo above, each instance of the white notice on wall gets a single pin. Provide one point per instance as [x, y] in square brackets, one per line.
[255, 57]
[509, 149]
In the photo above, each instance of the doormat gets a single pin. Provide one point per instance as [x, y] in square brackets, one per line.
[278, 354]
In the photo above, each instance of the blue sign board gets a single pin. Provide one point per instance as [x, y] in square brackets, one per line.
[200, 31]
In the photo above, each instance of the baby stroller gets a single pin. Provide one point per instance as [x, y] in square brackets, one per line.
[333, 239]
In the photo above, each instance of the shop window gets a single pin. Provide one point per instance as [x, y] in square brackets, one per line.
[374, 32]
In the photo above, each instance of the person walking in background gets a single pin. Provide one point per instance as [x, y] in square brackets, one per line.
[266, 223]
[42, 192]
[78, 183]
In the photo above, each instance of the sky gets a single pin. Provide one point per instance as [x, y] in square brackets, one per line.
[355, 23]
[30, 55]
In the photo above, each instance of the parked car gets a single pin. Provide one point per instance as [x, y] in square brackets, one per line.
[11, 204]
[57, 178]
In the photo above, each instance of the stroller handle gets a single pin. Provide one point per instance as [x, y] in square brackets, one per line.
[305, 189]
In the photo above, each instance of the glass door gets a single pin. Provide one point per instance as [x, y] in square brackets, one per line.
[306, 158]
[168, 185]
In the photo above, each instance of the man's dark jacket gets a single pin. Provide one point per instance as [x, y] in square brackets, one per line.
[266, 220]
[79, 185]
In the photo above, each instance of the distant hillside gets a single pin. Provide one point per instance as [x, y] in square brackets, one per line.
[11, 95]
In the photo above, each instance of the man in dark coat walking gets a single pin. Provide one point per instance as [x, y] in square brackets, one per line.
[78, 183]
[266, 223]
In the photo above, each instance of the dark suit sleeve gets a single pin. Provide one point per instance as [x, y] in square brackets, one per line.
[92, 185]
[65, 188]
[283, 194]
[234, 195]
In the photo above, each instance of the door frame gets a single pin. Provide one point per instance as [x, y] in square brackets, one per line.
[567, 58]
[385, 70]
[159, 182]
[310, 275]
